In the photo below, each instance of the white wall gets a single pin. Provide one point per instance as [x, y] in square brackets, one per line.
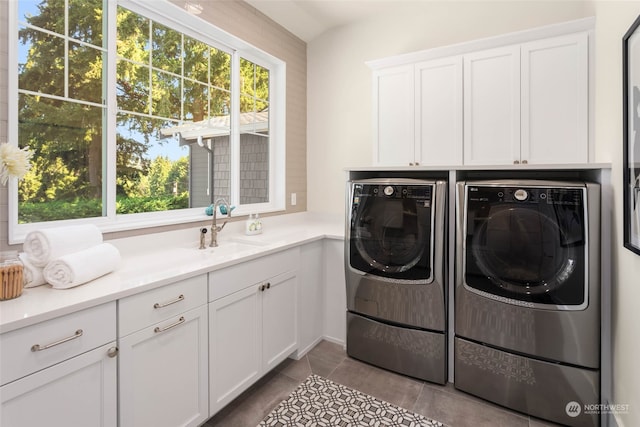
[339, 123]
[612, 21]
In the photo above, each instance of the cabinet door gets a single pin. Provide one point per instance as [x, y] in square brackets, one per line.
[555, 94]
[439, 112]
[164, 373]
[311, 290]
[492, 106]
[335, 297]
[279, 319]
[234, 346]
[77, 392]
[393, 101]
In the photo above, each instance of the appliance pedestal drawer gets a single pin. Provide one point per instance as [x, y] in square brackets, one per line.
[551, 391]
[414, 352]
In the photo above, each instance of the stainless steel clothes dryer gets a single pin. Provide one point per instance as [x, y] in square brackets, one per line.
[395, 277]
[527, 296]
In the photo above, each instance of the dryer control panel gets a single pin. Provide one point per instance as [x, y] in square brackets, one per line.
[553, 196]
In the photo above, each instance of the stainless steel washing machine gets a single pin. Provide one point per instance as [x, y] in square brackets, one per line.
[527, 296]
[395, 275]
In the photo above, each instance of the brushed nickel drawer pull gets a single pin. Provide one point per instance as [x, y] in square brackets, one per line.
[164, 304]
[173, 325]
[38, 347]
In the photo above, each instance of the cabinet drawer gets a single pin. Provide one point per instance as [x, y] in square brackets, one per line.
[36, 347]
[139, 311]
[232, 279]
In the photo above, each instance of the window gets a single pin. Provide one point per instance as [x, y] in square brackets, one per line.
[140, 114]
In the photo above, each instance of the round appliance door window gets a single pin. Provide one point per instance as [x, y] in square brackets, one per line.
[390, 237]
[523, 251]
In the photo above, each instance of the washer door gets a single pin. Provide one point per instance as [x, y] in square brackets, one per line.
[391, 237]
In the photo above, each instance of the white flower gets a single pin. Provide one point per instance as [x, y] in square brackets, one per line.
[13, 162]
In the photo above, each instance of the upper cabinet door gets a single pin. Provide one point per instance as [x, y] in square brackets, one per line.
[555, 99]
[492, 106]
[393, 103]
[439, 111]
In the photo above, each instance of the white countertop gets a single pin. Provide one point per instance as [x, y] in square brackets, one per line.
[156, 260]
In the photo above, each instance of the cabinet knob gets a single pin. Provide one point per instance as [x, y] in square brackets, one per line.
[113, 352]
[516, 162]
[524, 162]
[417, 163]
[411, 164]
[265, 286]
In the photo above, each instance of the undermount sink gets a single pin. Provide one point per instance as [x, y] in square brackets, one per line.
[264, 239]
[249, 240]
[226, 246]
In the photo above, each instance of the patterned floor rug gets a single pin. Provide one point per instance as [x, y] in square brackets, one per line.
[321, 402]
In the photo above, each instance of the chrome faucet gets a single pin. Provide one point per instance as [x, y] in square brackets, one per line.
[215, 229]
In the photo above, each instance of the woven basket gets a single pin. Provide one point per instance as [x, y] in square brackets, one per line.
[11, 280]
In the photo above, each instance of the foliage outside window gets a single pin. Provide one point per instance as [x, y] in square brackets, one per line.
[183, 127]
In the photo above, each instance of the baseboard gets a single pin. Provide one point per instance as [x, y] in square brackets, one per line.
[299, 354]
[335, 341]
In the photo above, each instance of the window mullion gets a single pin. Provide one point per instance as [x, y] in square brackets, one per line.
[150, 67]
[234, 140]
[65, 37]
[110, 99]
[182, 88]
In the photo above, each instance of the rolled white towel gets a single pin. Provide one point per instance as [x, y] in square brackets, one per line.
[32, 275]
[81, 267]
[48, 244]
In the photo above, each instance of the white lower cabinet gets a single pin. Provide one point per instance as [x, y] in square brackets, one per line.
[164, 366]
[236, 339]
[279, 320]
[310, 296]
[335, 294]
[62, 372]
[254, 328]
[77, 392]
[167, 358]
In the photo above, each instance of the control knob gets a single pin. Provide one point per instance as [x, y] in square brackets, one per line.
[521, 195]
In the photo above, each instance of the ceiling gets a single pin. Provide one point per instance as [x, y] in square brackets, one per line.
[307, 19]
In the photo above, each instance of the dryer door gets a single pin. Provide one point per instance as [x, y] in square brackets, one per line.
[527, 245]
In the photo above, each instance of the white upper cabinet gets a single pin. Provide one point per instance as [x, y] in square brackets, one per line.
[492, 106]
[439, 112]
[528, 104]
[555, 100]
[418, 114]
[393, 97]
[521, 98]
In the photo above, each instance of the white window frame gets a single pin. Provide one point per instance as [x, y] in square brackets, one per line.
[166, 13]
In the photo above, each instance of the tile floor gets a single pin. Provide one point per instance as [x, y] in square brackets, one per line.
[442, 403]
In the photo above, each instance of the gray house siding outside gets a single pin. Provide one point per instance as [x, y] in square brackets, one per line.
[254, 170]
